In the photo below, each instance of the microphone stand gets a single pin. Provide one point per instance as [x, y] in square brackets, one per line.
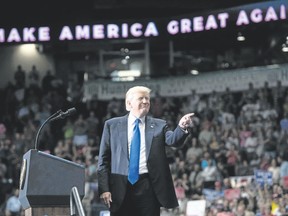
[41, 127]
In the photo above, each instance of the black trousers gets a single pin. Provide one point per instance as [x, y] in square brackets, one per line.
[140, 200]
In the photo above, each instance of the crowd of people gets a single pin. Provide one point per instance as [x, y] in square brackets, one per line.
[235, 159]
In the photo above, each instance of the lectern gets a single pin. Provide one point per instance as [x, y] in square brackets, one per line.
[46, 182]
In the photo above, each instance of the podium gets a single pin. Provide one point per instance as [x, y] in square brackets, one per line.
[46, 182]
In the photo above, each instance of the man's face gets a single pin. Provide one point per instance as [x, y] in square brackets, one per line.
[140, 104]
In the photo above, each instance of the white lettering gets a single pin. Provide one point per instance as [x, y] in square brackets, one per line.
[14, 36]
[256, 15]
[2, 35]
[185, 25]
[124, 30]
[242, 18]
[211, 23]
[136, 29]
[223, 19]
[82, 32]
[130, 30]
[198, 24]
[98, 32]
[271, 14]
[44, 34]
[28, 34]
[282, 12]
[66, 34]
[173, 27]
[112, 31]
[151, 30]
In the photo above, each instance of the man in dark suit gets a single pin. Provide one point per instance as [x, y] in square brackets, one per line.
[154, 186]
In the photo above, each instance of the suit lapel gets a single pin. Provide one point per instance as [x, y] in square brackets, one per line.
[149, 131]
[123, 137]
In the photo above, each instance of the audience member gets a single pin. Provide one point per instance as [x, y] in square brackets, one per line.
[20, 77]
[13, 206]
[46, 83]
[34, 78]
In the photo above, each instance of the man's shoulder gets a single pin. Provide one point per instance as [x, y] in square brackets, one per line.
[156, 120]
[116, 119]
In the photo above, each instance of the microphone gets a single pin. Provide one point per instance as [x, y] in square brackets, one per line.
[63, 115]
[58, 115]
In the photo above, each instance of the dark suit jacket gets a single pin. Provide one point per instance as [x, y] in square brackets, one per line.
[113, 159]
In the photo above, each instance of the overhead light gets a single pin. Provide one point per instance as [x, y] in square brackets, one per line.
[122, 79]
[240, 37]
[29, 49]
[273, 66]
[124, 50]
[124, 61]
[284, 48]
[125, 75]
[194, 72]
[86, 76]
[285, 45]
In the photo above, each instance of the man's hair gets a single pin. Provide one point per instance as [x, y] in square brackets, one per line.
[130, 93]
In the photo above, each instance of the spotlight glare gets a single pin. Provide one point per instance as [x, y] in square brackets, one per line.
[241, 38]
[194, 72]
